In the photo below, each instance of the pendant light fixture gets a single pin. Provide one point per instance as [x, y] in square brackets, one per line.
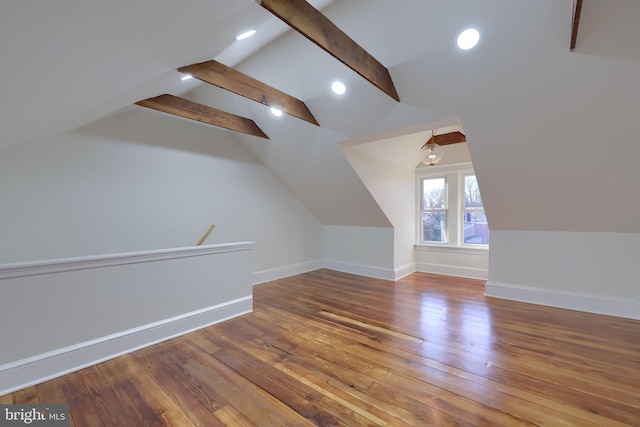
[434, 152]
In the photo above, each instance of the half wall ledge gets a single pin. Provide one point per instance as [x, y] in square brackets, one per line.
[63, 315]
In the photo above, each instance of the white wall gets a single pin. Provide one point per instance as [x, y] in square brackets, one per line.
[305, 158]
[145, 180]
[392, 186]
[595, 272]
[367, 251]
[463, 262]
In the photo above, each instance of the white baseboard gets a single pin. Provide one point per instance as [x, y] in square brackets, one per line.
[37, 369]
[361, 270]
[404, 271]
[590, 303]
[452, 270]
[289, 270]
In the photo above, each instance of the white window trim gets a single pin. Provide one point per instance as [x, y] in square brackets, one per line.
[454, 175]
[466, 249]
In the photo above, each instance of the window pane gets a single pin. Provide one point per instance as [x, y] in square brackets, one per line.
[474, 222]
[471, 192]
[434, 226]
[433, 194]
[475, 227]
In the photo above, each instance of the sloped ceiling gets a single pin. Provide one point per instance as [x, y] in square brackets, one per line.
[72, 62]
[551, 133]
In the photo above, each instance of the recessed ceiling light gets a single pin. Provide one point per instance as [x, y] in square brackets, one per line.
[246, 34]
[186, 77]
[468, 38]
[338, 88]
[276, 112]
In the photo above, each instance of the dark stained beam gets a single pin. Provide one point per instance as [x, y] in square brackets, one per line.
[202, 113]
[224, 77]
[449, 138]
[312, 24]
[577, 8]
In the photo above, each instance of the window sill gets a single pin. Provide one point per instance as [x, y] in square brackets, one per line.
[451, 249]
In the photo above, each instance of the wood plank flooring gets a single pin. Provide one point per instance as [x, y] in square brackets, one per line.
[332, 349]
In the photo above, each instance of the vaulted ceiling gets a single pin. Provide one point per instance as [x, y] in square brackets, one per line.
[550, 131]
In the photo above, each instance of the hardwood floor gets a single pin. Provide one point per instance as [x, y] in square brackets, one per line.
[332, 349]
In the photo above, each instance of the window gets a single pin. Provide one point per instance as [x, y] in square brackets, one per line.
[451, 212]
[475, 229]
[434, 210]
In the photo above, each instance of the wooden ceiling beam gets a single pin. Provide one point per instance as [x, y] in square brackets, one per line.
[449, 138]
[202, 113]
[577, 8]
[312, 24]
[225, 77]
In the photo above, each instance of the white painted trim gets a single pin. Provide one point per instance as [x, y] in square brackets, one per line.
[32, 268]
[453, 270]
[449, 249]
[598, 304]
[286, 271]
[424, 171]
[37, 369]
[361, 270]
[404, 270]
